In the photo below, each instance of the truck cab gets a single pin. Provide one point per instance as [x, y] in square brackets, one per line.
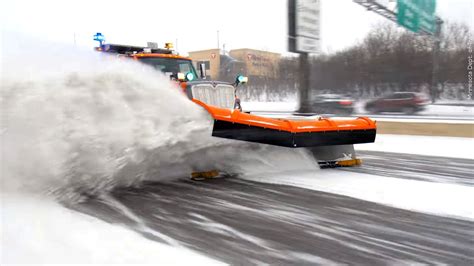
[181, 70]
[162, 59]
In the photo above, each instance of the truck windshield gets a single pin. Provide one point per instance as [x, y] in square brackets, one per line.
[171, 65]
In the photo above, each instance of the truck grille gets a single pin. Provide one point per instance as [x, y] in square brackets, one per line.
[221, 95]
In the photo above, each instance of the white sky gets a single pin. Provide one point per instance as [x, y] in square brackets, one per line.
[259, 24]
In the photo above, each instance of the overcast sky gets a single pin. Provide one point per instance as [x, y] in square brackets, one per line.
[259, 24]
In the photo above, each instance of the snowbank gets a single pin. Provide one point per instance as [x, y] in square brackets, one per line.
[37, 230]
[423, 145]
[421, 196]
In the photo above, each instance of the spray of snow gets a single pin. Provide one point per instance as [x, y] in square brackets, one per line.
[76, 119]
[80, 121]
[76, 123]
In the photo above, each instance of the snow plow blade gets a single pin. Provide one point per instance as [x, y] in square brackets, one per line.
[233, 124]
[237, 131]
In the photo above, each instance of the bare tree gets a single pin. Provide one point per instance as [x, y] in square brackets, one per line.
[388, 59]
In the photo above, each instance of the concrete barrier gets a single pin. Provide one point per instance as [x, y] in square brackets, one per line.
[426, 128]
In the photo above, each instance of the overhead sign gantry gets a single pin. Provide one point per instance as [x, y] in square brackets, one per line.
[417, 16]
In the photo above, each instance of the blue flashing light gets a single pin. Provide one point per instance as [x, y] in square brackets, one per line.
[99, 37]
[189, 76]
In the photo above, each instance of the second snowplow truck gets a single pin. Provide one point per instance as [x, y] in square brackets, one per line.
[329, 140]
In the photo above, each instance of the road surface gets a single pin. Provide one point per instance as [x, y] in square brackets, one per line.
[243, 222]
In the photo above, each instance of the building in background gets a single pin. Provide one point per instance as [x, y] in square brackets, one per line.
[210, 58]
[256, 64]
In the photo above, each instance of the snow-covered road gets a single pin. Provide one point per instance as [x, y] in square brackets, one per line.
[424, 218]
[240, 221]
[398, 208]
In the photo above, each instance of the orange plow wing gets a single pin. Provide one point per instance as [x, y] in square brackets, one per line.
[233, 124]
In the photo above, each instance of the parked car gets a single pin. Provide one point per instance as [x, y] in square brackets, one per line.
[332, 104]
[405, 102]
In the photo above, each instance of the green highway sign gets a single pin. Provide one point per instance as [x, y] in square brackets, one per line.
[417, 15]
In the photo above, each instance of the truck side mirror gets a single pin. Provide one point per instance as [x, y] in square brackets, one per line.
[202, 69]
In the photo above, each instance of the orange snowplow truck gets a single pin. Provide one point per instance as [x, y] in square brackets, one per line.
[330, 140]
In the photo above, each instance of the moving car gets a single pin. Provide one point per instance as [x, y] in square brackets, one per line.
[332, 104]
[404, 102]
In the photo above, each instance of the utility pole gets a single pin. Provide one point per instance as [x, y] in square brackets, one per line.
[303, 38]
[218, 44]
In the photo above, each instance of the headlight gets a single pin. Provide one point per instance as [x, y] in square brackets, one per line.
[180, 76]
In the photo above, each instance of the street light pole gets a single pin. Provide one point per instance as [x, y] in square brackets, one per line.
[436, 48]
[304, 83]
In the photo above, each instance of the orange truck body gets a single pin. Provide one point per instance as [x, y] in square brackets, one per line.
[293, 133]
